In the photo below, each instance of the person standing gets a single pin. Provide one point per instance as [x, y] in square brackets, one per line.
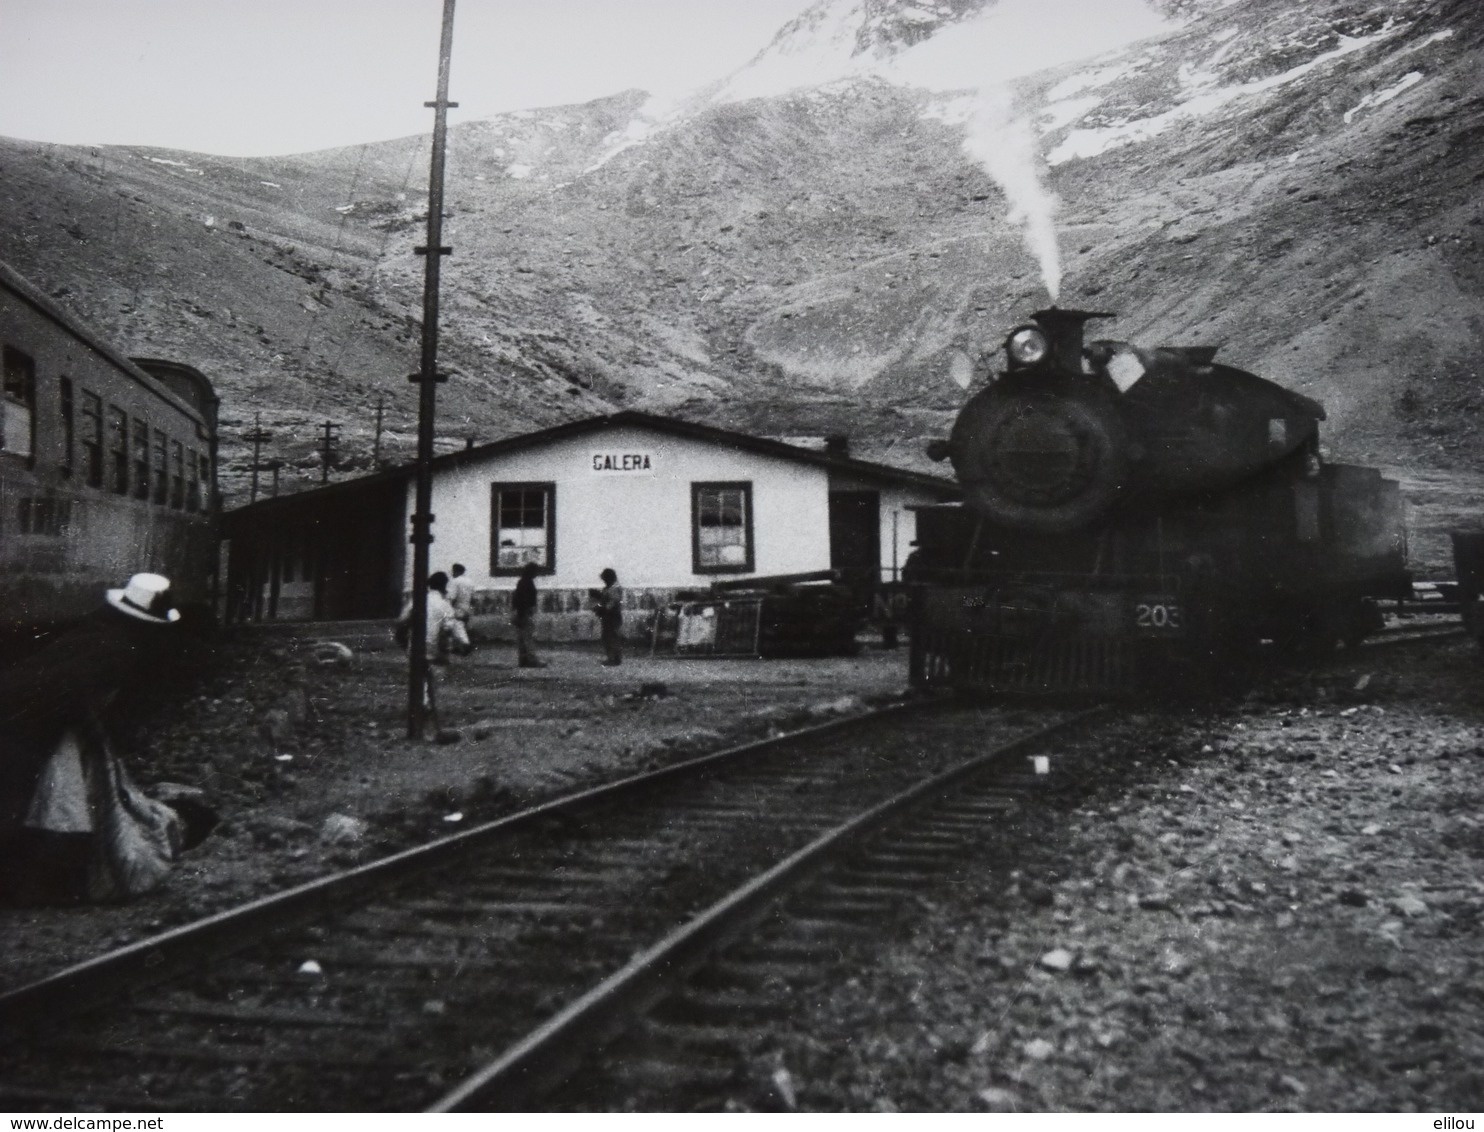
[523, 614]
[608, 604]
[443, 626]
[461, 596]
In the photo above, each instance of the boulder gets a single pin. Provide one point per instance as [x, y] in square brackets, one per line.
[1409, 904]
[999, 1100]
[275, 728]
[333, 654]
[342, 829]
[1059, 959]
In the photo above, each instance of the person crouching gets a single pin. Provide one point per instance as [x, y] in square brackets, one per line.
[73, 825]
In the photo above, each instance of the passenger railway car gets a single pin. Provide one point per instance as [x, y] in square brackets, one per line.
[107, 468]
[1135, 517]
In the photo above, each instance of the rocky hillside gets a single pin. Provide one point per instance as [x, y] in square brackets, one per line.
[1294, 182]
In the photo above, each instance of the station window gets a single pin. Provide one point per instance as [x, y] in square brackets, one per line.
[141, 459]
[162, 469]
[18, 405]
[193, 481]
[118, 450]
[523, 526]
[721, 528]
[64, 389]
[177, 477]
[92, 438]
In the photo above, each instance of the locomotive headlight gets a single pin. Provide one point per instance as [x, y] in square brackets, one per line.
[1027, 346]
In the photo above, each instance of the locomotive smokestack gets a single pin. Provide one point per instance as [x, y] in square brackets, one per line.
[1064, 333]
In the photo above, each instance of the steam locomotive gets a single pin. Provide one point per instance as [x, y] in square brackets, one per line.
[1135, 517]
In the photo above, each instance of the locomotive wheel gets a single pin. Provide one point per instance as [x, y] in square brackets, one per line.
[1051, 457]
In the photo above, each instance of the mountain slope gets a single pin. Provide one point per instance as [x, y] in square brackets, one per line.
[1295, 183]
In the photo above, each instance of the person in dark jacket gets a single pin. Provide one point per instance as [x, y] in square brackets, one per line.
[73, 826]
[523, 614]
[608, 605]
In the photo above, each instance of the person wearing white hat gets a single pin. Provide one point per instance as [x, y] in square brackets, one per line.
[73, 826]
[146, 597]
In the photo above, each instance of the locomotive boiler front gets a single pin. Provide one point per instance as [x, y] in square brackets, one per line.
[1069, 430]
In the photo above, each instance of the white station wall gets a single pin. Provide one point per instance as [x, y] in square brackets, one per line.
[639, 523]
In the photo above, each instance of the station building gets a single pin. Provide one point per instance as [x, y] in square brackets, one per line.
[670, 505]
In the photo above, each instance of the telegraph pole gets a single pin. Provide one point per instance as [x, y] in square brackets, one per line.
[376, 444]
[257, 436]
[427, 377]
[327, 449]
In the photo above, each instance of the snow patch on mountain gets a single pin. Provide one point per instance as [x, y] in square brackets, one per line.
[1097, 78]
[1377, 98]
[1055, 115]
[1204, 96]
[1010, 40]
[839, 40]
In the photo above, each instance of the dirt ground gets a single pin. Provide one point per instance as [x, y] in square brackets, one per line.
[1278, 909]
[312, 771]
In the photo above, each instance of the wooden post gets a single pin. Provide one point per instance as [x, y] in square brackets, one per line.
[427, 378]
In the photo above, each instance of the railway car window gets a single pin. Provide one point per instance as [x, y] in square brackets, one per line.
[118, 450]
[721, 528]
[162, 470]
[92, 437]
[177, 478]
[64, 388]
[522, 526]
[193, 481]
[44, 516]
[205, 482]
[141, 459]
[18, 405]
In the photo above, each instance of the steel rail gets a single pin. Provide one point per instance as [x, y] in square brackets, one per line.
[545, 1056]
[1407, 634]
[111, 976]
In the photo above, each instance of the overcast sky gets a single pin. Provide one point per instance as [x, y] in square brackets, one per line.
[260, 77]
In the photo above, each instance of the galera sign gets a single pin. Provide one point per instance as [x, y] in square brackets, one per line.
[623, 463]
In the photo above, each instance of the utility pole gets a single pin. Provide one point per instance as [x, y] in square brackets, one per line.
[256, 436]
[427, 377]
[269, 466]
[327, 450]
[376, 444]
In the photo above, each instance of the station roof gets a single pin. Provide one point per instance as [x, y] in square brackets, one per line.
[866, 470]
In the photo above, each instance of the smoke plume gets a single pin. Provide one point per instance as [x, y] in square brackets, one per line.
[1007, 147]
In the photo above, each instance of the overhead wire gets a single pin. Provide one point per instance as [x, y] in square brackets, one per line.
[386, 237]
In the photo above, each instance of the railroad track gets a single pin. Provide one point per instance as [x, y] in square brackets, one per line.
[1404, 633]
[700, 1006]
[397, 986]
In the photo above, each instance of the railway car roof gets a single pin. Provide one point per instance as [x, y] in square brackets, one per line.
[14, 281]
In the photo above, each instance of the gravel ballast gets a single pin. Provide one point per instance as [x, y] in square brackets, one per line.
[1273, 906]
